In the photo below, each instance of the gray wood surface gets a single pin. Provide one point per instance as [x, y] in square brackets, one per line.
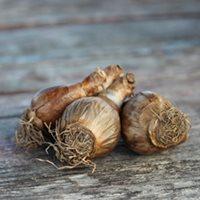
[157, 40]
[27, 13]
[49, 56]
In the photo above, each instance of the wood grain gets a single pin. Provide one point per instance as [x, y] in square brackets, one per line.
[44, 57]
[27, 14]
[163, 54]
[122, 174]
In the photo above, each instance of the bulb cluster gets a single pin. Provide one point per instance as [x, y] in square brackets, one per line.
[85, 120]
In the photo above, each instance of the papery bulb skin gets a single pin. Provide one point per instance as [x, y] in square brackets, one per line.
[90, 126]
[48, 105]
[101, 120]
[150, 123]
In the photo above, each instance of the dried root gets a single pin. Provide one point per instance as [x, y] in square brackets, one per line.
[171, 128]
[28, 134]
[73, 146]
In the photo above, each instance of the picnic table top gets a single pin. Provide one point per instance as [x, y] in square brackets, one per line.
[46, 43]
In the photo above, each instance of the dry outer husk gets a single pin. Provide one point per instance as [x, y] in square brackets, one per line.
[48, 105]
[89, 128]
[150, 123]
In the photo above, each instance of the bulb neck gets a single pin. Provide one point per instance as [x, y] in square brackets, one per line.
[116, 97]
[120, 89]
[110, 102]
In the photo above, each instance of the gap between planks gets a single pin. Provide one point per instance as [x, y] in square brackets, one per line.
[101, 20]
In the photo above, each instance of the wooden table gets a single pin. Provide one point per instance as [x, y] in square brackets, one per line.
[45, 43]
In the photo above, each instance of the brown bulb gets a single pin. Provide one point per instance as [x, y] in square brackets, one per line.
[90, 126]
[48, 105]
[150, 123]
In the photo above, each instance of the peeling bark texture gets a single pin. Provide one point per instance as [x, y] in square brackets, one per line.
[159, 41]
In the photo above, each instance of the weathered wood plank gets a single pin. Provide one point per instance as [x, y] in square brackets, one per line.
[153, 72]
[26, 14]
[30, 46]
[121, 175]
[164, 55]
[45, 57]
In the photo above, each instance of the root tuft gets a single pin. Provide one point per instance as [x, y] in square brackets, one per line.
[27, 134]
[73, 146]
[172, 128]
